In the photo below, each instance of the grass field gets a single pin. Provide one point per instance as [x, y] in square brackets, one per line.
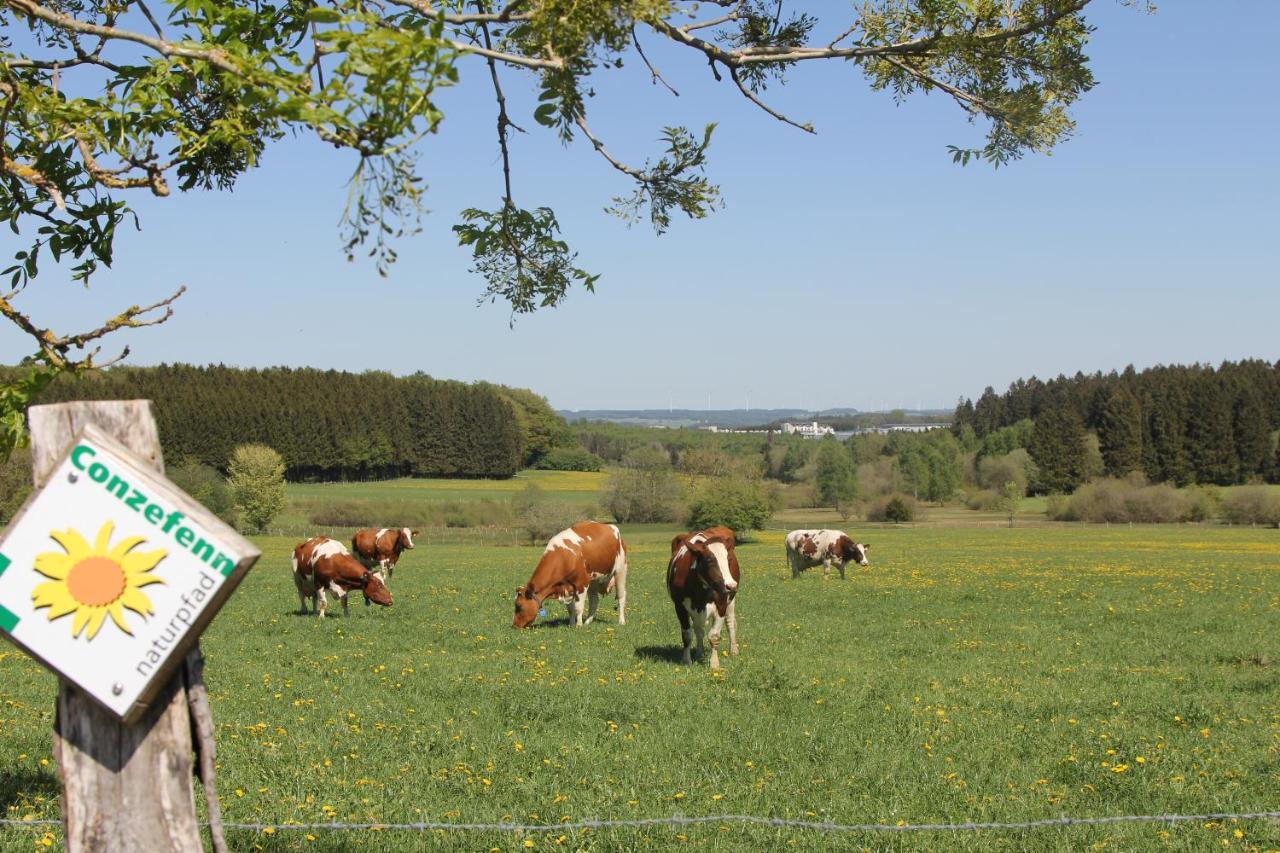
[980, 674]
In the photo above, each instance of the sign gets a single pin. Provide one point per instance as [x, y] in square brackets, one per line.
[110, 573]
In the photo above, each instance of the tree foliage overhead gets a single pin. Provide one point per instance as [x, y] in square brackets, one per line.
[100, 100]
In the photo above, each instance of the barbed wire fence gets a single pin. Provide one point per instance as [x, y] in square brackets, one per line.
[750, 820]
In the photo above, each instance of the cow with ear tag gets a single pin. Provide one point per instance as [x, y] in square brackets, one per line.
[578, 565]
[702, 580]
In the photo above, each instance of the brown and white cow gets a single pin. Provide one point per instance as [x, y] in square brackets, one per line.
[579, 564]
[381, 548]
[323, 565]
[808, 548]
[702, 579]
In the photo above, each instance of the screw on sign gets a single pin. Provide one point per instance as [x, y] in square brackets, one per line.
[111, 573]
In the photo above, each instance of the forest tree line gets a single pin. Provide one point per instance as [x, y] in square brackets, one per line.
[1177, 424]
[333, 425]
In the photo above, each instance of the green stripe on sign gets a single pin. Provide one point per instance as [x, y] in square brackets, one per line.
[8, 621]
[4, 563]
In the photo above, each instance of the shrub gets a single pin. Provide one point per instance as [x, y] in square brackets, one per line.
[568, 459]
[541, 517]
[1124, 502]
[15, 482]
[984, 500]
[738, 503]
[205, 485]
[644, 490]
[256, 482]
[358, 512]
[1252, 505]
[895, 508]
[994, 471]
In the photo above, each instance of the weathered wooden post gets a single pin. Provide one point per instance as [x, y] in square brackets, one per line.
[119, 621]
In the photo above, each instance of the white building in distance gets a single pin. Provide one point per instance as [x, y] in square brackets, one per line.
[809, 430]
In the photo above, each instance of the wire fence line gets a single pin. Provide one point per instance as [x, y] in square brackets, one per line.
[752, 820]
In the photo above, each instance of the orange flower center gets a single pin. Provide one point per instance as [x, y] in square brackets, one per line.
[96, 581]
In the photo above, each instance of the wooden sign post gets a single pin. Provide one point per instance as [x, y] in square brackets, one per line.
[108, 575]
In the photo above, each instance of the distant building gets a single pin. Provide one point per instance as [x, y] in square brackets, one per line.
[809, 430]
[888, 428]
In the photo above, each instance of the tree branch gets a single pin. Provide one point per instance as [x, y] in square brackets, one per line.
[807, 127]
[54, 348]
[657, 78]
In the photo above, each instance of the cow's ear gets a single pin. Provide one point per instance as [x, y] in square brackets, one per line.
[866, 546]
[519, 591]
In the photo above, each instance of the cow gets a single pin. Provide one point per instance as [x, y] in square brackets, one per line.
[322, 564]
[702, 579]
[578, 564]
[381, 548]
[808, 548]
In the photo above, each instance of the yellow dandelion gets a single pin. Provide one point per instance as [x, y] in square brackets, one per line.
[95, 582]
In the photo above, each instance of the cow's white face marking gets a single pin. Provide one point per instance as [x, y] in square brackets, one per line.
[564, 539]
[861, 554]
[327, 548]
[408, 535]
[721, 553]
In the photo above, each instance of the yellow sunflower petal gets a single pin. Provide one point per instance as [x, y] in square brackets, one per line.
[134, 564]
[124, 546]
[103, 542]
[95, 621]
[141, 579]
[117, 616]
[78, 623]
[51, 564]
[71, 541]
[137, 602]
[54, 595]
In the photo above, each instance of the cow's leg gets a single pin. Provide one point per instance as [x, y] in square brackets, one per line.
[794, 559]
[840, 566]
[302, 593]
[593, 601]
[717, 622]
[620, 582]
[700, 629]
[732, 618]
[323, 604]
[342, 596]
[826, 569]
[686, 633]
[576, 605]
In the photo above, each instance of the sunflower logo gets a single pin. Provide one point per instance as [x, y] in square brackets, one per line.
[94, 582]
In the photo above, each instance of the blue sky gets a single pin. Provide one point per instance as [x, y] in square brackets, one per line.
[858, 267]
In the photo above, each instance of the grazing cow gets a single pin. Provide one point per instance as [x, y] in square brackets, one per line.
[322, 564]
[702, 579]
[578, 564]
[381, 548]
[808, 548]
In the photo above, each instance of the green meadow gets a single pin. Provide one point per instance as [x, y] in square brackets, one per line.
[967, 675]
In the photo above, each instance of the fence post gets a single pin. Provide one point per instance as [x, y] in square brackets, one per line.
[125, 787]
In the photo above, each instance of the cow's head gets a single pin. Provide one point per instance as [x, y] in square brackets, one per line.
[854, 552]
[711, 563]
[527, 606]
[375, 590]
[405, 539]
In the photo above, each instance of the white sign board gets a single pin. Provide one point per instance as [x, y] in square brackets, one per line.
[110, 573]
